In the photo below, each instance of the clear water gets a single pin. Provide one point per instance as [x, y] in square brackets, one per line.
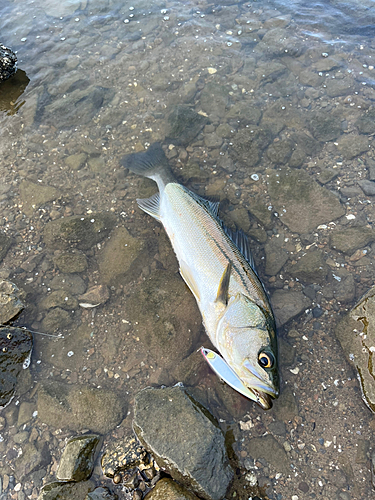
[100, 78]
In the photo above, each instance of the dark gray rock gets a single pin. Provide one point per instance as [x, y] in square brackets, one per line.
[124, 455]
[8, 63]
[66, 491]
[279, 42]
[184, 440]
[33, 457]
[276, 256]
[285, 408]
[184, 124]
[59, 298]
[77, 407]
[370, 164]
[10, 301]
[168, 489]
[310, 268]
[5, 244]
[302, 203]
[350, 239]
[214, 99]
[249, 143]
[366, 122]
[268, 447]
[101, 494]
[344, 290]
[97, 294]
[337, 87]
[56, 319]
[70, 283]
[325, 127]
[80, 232]
[15, 350]
[279, 152]
[78, 458]
[352, 145]
[368, 187]
[287, 304]
[71, 262]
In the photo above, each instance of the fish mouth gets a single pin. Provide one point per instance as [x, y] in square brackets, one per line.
[262, 399]
[263, 392]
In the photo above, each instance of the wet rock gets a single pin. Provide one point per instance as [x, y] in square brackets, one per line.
[10, 301]
[194, 454]
[70, 283]
[97, 164]
[56, 319]
[213, 140]
[370, 164]
[8, 63]
[80, 232]
[278, 42]
[71, 262]
[279, 152]
[366, 122]
[325, 127]
[352, 145]
[118, 255]
[285, 408]
[59, 298]
[34, 195]
[101, 494]
[165, 317]
[303, 203]
[344, 290]
[249, 143]
[15, 350]
[267, 447]
[214, 99]
[240, 217]
[287, 352]
[368, 187]
[5, 244]
[124, 456]
[168, 489]
[95, 295]
[350, 239]
[77, 407]
[278, 428]
[310, 78]
[76, 162]
[66, 491]
[303, 145]
[287, 304]
[276, 256]
[247, 115]
[326, 175]
[78, 458]
[184, 124]
[33, 457]
[337, 87]
[25, 413]
[258, 208]
[310, 268]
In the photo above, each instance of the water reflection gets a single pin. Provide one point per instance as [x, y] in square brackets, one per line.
[11, 91]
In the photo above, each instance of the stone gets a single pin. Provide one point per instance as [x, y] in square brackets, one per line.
[287, 352]
[165, 317]
[370, 164]
[344, 290]
[366, 122]
[249, 143]
[76, 162]
[245, 113]
[58, 298]
[70, 283]
[56, 319]
[8, 63]
[356, 334]
[78, 458]
[15, 350]
[71, 262]
[337, 87]
[34, 195]
[184, 124]
[350, 239]
[25, 413]
[214, 99]
[78, 232]
[66, 491]
[287, 304]
[95, 295]
[10, 301]
[194, 453]
[168, 489]
[310, 78]
[310, 268]
[33, 457]
[302, 203]
[285, 408]
[213, 140]
[267, 447]
[325, 127]
[101, 494]
[279, 152]
[119, 255]
[125, 455]
[5, 243]
[277, 42]
[368, 187]
[352, 145]
[77, 407]
[258, 208]
[97, 164]
[276, 256]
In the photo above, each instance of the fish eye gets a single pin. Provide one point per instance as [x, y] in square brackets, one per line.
[266, 360]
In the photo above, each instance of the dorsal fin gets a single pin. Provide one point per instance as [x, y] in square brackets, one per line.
[211, 205]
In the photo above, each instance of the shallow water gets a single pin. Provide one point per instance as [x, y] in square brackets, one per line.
[103, 79]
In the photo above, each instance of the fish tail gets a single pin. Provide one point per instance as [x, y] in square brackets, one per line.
[152, 164]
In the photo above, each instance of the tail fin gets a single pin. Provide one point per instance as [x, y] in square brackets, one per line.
[152, 164]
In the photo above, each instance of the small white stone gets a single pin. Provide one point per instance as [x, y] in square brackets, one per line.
[294, 370]
[70, 354]
[18, 487]
[212, 71]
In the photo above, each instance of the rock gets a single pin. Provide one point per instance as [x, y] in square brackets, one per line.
[366, 122]
[240, 217]
[285, 408]
[350, 239]
[279, 152]
[5, 243]
[276, 256]
[165, 317]
[15, 350]
[66, 491]
[58, 298]
[352, 145]
[34, 195]
[168, 489]
[76, 162]
[194, 453]
[326, 175]
[258, 208]
[302, 203]
[213, 140]
[267, 447]
[246, 114]
[287, 352]
[344, 290]
[95, 295]
[25, 413]
[80, 232]
[310, 268]
[325, 127]
[10, 301]
[32, 458]
[97, 164]
[356, 334]
[310, 78]
[56, 319]
[214, 99]
[336, 87]
[101, 494]
[278, 42]
[77, 407]
[368, 187]
[78, 458]
[287, 304]
[119, 255]
[70, 283]
[124, 455]
[370, 164]
[71, 262]
[278, 428]
[249, 143]
[8, 63]
[184, 124]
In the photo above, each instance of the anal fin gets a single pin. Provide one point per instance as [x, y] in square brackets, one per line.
[151, 205]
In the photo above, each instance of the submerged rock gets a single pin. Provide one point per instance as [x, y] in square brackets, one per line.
[71, 262]
[286, 304]
[350, 239]
[276, 256]
[184, 440]
[78, 458]
[325, 127]
[268, 447]
[59, 490]
[8, 63]
[352, 145]
[15, 349]
[5, 244]
[310, 268]
[356, 333]
[33, 457]
[101, 494]
[34, 195]
[10, 301]
[168, 489]
[301, 201]
[184, 124]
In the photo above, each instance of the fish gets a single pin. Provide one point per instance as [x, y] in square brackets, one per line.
[216, 264]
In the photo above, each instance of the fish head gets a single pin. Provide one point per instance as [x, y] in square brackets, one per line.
[247, 341]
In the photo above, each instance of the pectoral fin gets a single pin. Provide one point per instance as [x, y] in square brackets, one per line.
[222, 293]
